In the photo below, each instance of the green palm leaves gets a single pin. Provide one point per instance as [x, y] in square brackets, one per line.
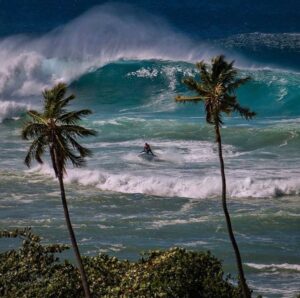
[216, 88]
[57, 129]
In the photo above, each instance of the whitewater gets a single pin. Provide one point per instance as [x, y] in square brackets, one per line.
[121, 203]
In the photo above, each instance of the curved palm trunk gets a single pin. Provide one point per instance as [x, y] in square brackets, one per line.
[245, 289]
[59, 175]
[73, 238]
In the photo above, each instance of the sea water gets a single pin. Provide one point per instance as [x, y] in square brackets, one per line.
[126, 63]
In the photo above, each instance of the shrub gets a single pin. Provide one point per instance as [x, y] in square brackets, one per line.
[33, 270]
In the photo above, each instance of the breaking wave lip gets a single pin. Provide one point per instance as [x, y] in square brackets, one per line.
[12, 109]
[96, 38]
[275, 267]
[31, 64]
[172, 186]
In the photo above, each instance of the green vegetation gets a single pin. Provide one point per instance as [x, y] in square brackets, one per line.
[33, 270]
[57, 130]
[216, 89]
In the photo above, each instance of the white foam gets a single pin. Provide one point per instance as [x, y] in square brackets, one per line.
[176, 152]
[168, 72]
[173, 184]
[193, 243]
[144, 73]
[171, 222]
[118, 121]
[275, 267]
[12, 109]
[96, 38]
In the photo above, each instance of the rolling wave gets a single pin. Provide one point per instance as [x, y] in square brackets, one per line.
[202, 187]
[97, 38]
[270, 93]
[12, 109]
[275, 267]
[94, 39]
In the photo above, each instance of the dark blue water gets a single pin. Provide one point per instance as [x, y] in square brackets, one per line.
[198, 18]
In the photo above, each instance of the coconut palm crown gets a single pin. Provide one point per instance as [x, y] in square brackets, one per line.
[57, 129]
[216, 89]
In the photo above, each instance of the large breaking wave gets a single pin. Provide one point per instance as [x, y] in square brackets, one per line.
[102, 35]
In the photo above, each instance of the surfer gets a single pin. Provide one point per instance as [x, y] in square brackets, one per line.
[147, 149]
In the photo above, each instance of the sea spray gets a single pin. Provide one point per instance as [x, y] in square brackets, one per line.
[12, 109]
[98, 37]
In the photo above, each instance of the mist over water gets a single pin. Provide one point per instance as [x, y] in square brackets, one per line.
[127, 65]
[98, 37]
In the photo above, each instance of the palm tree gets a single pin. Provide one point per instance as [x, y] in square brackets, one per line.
[56, 129]
[216, 88]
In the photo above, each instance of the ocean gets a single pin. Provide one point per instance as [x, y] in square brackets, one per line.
[126, 63]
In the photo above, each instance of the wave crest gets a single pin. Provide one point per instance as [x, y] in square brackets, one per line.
[12, 109]
[275, 267]
[184, 186]
[104, 34]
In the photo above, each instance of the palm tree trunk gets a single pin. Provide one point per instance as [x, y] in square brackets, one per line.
[73, 238]
[59, 174]
[245, 289]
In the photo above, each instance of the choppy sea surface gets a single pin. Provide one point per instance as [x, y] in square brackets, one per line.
[126, 64]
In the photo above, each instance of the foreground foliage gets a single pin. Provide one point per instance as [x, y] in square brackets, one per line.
[33, 270]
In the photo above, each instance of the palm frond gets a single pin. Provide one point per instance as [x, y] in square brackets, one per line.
[59, 91]
[55, 101]
[66, 101]
[56, 129]
[73, 117]
[231, 87]
[216, 88]
[243, 111]
[32, 130]
[218, 65]
[191, 83]
[76, 130]
[76, 160]
[180, 98]
[37, 117]
[84, 152]
[35, 151]
[204, 73]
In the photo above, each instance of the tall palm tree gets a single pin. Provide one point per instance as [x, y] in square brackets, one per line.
[216, 88]
[56, 129]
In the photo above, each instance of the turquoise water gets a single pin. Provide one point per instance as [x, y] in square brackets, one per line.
[122, 204]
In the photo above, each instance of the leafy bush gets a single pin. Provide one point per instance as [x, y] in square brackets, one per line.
[33, 270]
[176, 273]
